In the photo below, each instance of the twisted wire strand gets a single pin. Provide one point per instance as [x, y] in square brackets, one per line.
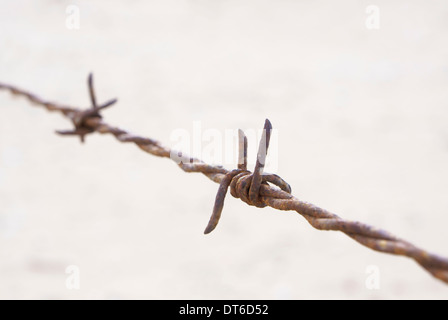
[272, 190]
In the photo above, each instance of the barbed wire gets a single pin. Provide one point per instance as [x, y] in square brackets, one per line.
[255, 188]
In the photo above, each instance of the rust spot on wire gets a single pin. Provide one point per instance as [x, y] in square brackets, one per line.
[256, 189]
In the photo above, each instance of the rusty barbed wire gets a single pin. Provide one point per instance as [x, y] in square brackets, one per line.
[255, 188]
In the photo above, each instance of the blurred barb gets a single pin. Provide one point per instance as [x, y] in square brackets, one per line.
[255, 188]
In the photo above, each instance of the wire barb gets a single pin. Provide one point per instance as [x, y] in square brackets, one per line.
[244, 184]
[80, 118]
[256, 189]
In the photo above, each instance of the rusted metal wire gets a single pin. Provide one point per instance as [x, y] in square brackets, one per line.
[255, 188]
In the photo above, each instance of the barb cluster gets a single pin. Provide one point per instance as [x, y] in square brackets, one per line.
[256, 189]
[80, 118]
[244, 184]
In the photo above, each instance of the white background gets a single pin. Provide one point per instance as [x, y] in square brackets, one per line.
[362, 131]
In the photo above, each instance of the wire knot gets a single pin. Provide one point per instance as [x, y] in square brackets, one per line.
[244, 184]
[241, 185]
[81, 118]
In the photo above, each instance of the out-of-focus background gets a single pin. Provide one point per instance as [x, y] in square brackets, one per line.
[358, 95]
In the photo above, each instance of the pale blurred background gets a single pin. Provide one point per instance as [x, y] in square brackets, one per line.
[362, 128]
